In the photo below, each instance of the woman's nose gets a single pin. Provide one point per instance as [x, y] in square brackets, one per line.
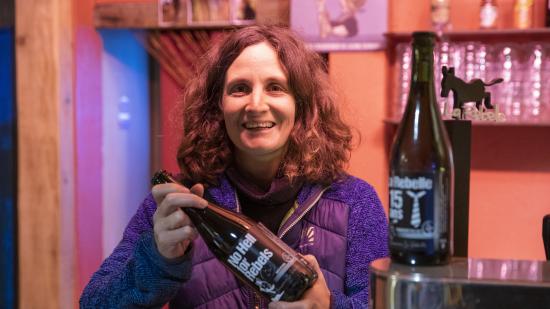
[257, 101]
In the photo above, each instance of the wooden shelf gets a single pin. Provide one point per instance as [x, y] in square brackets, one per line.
[144, 15]
[534, 34]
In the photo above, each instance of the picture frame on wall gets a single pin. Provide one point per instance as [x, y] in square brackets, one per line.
[340, 25]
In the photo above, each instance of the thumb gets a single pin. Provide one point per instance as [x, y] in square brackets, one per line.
[313, 261]
[197, 189]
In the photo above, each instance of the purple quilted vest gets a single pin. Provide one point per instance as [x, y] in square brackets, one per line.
[317, 227]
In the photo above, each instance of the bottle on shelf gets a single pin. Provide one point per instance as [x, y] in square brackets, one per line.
[441, 13]
[250, 251]
[488, 14]
[523, 14]
[421, 180]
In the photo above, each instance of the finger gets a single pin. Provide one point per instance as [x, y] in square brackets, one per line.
[174, 237]
[173, 201]
[161, 190]
[198, 189]
[173, 221]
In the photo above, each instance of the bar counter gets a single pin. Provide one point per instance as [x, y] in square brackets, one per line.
[463, 283]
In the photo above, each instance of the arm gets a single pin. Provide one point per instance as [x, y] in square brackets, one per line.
[135, 274]
[367, 241]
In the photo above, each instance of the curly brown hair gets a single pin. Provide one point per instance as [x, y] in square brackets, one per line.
[320, 142]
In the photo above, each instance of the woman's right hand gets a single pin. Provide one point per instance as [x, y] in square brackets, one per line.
[173, 229]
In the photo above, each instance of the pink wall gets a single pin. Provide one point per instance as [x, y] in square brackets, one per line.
[88, 122]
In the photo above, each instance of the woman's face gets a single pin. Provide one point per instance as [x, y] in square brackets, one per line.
[257, 104]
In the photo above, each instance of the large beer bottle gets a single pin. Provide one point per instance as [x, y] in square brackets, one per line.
[421, 176]
[250, 251]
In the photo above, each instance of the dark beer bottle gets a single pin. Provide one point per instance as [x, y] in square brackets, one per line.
[250, 251]
[421, 176]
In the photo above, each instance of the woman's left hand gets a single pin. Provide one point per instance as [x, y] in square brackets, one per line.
[318, 296]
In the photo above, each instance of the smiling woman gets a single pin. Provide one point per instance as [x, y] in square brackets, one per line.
[262, 135]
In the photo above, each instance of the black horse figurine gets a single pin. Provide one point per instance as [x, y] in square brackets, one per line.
[463, 92]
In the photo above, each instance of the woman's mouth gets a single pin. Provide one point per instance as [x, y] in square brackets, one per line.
[258, 125]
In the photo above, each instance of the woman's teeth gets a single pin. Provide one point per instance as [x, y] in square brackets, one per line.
[258, 125]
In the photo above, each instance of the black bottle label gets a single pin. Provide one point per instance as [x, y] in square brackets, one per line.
[416, 224]
[262, 267]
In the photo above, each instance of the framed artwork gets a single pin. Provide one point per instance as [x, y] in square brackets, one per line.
[331, 25]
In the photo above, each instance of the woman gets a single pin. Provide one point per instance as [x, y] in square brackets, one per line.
[262, 136]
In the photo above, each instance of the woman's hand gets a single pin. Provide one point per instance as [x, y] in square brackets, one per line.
[318, 296]
[173, 228]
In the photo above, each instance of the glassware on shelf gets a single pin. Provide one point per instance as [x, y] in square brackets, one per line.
[524, 94]
[508, 66]
[403, 76]
[545, 84]
[532, 84]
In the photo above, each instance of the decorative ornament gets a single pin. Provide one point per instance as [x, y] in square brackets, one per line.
[472, 91]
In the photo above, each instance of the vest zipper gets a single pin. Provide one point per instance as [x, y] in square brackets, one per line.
[308, 208]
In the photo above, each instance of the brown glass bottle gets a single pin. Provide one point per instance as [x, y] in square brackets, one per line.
[250, 251]
[421, 170]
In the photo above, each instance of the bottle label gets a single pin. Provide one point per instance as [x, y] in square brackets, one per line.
[415, 221]
[256, 263]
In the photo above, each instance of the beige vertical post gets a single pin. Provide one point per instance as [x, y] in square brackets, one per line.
[44, 83]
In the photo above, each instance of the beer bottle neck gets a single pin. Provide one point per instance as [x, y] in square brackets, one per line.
[422, 64]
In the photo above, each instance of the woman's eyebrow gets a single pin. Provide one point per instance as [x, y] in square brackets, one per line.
[236, 80]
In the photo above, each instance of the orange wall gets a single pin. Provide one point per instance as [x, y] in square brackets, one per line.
[360, 78]
[510, 176]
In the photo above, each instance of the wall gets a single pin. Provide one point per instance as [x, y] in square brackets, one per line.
[361, 78]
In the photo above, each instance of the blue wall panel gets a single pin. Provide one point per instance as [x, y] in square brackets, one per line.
[8, 248]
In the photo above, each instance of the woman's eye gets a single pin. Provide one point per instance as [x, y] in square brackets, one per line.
[276, 88]
[239, 90]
